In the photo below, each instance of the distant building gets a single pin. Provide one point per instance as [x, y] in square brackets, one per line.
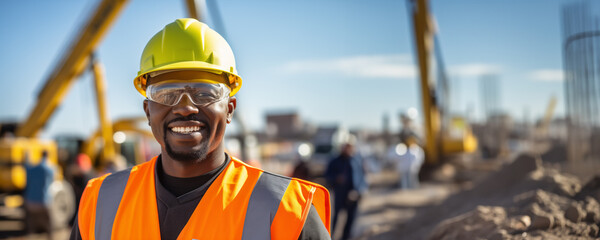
[288, 126]
[284, 125]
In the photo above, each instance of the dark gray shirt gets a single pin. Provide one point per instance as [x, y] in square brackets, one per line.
[176, 203]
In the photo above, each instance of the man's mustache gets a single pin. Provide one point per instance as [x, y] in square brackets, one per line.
[193, 117]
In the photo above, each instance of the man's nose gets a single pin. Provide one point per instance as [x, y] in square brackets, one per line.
[185, 106]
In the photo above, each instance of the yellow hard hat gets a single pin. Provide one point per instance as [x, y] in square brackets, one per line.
[187, 44]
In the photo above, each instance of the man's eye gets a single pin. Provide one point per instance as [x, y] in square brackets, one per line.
[204, 95]
[166, 98]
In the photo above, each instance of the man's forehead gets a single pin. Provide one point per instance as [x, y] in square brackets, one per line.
[186, 76]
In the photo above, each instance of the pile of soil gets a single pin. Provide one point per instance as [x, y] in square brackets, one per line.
[533, 215]
[523, 200]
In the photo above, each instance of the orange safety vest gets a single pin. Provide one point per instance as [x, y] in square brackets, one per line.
[243, 202]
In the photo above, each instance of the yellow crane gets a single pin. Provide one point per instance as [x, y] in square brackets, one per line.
[24, 145]
[444, 135]
[73, 64]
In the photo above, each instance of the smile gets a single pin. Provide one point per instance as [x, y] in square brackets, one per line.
[186, 130]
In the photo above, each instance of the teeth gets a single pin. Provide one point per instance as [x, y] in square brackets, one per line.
[185, 130]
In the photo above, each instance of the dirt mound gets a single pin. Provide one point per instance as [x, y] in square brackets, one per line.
[533, 215]
[523, 200]
[591, 189]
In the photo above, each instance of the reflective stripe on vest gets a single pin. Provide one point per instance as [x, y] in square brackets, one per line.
[109, 197]
[265, 204]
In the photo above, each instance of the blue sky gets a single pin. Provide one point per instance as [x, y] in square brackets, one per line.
[347, 62]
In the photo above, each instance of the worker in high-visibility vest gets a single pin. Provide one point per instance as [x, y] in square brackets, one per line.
[193, 189]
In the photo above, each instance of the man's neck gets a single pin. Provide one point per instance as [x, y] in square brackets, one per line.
[183, 169]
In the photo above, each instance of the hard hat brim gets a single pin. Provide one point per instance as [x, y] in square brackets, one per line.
[234, 81]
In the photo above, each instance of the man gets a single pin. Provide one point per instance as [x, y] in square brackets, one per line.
[37, 198]
[193, 189]
[409, 130]
[345, 173]
[408, 157]
[409, 160]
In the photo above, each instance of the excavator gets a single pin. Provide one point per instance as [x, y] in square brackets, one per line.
[19, 143]
[444, 134]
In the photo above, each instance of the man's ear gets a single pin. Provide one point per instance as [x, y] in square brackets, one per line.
[146, 110]
[231, 108]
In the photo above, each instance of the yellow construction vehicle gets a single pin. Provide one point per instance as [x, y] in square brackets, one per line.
[107, 129]
[127, 125]
[541, 131]
[24, 143]
[443, 134]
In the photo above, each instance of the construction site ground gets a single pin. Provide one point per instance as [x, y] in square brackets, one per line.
[523, 196]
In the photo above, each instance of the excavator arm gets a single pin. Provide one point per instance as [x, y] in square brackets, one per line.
[73, 63]
[424, 43]
[443, 135]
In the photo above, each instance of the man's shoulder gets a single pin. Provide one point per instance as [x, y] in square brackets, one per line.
[334, 159]
[274, 176]
[248, 167]
[121, 175]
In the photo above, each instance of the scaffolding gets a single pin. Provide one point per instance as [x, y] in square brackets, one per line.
[581, 62]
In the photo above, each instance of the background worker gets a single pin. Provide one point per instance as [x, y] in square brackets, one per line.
[345, 174]
[408, 157]
[409, 128]
[193, 189]
[37, 198]
[81, 172]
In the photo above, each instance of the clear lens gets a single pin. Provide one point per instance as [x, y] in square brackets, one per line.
[201, 93]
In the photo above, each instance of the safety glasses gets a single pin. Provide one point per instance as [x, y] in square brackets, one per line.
[201, 93]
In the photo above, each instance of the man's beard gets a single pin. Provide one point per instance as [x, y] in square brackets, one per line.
[191, 156]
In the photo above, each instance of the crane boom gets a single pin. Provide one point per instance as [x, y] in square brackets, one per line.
[423, 33]
[194, 9]
[108, 147]
[73, 63]
[444, 134]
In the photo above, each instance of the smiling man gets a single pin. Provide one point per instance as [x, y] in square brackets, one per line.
[193, 189]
